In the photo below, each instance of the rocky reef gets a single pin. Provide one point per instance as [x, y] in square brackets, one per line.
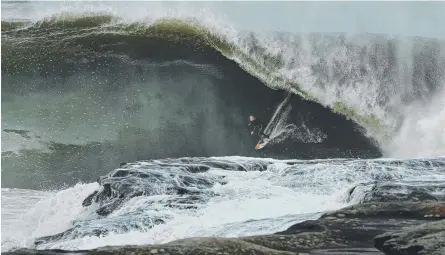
[388, 217]
[393, 227]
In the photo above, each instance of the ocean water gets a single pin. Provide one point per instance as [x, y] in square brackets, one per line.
[152, 98]
[235, 196]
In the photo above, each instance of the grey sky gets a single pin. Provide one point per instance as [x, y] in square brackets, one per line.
[424, 18]
[404, 18]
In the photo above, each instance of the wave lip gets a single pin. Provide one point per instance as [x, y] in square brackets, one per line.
[370, 79]
[92, 27]
[92, 91]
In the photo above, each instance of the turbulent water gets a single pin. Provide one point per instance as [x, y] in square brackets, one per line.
[87, 88]
[158, 201]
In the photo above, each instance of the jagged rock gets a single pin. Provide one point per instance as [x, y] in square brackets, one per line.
[389, 191]
[348, 231]
[190, 246]
[425, 239]
[397, 192]
[353, 226]
[393, 210]
[89, 228]
[124, 184]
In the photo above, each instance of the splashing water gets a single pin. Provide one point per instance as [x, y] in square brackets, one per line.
[186, 197]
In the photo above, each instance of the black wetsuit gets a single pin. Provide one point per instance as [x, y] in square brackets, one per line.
[256, 126]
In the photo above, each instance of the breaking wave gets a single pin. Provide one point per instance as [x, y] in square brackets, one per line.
[133, 130]
[98, 90]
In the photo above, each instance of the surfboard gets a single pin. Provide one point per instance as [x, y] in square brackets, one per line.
[261, 143]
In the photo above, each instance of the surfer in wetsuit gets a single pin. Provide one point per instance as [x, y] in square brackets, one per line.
[256, 126]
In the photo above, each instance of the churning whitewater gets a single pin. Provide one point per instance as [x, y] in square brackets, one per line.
[158, 201]
[127, 126]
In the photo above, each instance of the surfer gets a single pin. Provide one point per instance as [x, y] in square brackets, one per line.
[256, 126]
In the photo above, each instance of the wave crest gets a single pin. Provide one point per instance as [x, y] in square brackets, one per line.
[369, 79]
[68, 30]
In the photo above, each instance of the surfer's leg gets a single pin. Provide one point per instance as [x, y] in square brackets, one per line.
[265, 135]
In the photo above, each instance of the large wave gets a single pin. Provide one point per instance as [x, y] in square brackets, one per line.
[96, 90]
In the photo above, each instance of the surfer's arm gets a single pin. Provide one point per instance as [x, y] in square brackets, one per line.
[251, 128]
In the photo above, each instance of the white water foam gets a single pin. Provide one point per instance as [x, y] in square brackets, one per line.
[27, 214]
[280, 129]
[409, 128]
[423, 130]
[251, 203]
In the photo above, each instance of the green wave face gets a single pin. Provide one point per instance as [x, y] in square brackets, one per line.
[369, 79]
[78, 35]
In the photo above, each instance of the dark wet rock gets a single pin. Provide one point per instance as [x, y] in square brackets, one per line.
[191, 246]
[145, 179]
[398, 192]
[89, 200]
[392, 210]
[406, 191]
[22, 133]
[107, 208]
[149, 178]
[351, 227]
[92, 228]
[427, 238]
[305, 226]
[354, 227]
[384, 206]
[394, 225]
